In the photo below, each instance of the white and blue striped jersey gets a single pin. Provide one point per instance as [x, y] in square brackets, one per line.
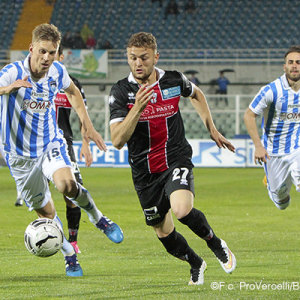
[280, 106]
[28, 119]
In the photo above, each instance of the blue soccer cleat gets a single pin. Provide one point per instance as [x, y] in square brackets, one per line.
[72, 266]
[110, 229]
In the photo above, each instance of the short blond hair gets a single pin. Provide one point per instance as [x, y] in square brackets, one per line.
[46, 32]
[143, 40]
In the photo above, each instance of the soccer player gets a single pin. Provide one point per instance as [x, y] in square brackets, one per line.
[279, 102]
[35, 148]
[144, 114]
[63, 111]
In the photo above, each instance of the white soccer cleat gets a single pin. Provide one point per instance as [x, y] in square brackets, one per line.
[197, 275]
[225, 257]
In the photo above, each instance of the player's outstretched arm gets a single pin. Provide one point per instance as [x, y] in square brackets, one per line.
[122, 131]
[86, 153]
[199, 102]
[15, 86]
[260, 155]
[88, 131]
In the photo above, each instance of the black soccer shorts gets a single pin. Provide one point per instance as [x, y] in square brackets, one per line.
[154, 190]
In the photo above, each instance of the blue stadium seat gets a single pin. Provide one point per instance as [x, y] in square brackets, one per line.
[216, 24]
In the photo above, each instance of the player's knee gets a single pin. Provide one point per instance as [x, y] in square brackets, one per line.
[67, 187]
[162, 231]
[181, 211]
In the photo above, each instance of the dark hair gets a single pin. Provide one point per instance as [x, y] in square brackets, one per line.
[292, 49]
[142, 40]
[46, 32]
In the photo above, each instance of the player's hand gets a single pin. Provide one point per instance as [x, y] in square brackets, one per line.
[86, 153]
[90, 134]
[261, 155]
[18, 84]
[143, 96]
[221, 141]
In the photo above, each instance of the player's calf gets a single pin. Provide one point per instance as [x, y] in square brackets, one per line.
[177, 246]
[197, 222]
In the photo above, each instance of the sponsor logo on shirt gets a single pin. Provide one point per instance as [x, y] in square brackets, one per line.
[171, 92]
[151, 112]
[36, 95]
[292, 116]
[36, 106]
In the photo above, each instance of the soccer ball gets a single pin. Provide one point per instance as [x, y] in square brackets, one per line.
[43, 237]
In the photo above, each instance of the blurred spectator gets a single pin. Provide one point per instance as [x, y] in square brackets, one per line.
[91, 42]
[85, 32]
[194, 79]
[222, 82]
[106, 45]
[190, 6]
[67, 40]
[171, 8]
[78, 42]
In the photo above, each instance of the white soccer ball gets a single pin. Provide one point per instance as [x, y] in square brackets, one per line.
[43, 237]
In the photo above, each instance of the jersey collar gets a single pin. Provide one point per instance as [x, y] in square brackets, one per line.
[161, 73]
[285, 82]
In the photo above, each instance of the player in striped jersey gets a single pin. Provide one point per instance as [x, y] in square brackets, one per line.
[279, 103]
[144, 113]
[35, 148]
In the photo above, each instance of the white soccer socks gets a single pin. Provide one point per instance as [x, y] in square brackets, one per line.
[67, 249]
[85, 201]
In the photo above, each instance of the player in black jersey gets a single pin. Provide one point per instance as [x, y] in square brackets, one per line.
[63, 111]
[144, 113]
[73, 212]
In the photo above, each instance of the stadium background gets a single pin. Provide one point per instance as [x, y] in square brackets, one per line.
[247, 37]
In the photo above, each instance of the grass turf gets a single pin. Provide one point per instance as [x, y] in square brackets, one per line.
[264, 240]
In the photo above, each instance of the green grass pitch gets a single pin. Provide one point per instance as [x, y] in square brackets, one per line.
[264, 239]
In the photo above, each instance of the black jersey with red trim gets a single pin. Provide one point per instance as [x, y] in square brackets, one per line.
[63, 110]
[159, 137]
